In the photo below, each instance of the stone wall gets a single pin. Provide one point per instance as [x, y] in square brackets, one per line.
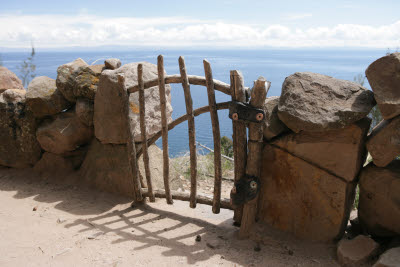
[74, 124]
[316, 142]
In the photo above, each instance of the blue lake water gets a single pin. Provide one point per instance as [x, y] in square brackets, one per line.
[275, 65]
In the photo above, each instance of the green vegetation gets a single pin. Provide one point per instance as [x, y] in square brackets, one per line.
[27, 69]
[1, 61]
[357, 198]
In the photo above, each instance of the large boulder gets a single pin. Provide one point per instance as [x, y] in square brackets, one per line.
[112, 63]
[339, 151]
[273, 125]
[87, 81]
[63, 133]
[19, 147]
[66, 77]
[8, 80]
[84, 110]
[383, 76]
[44, 99]
[379, 203]
[302, 199]
[111, 103]
[106, 167]
[384, 142]
[315, 102]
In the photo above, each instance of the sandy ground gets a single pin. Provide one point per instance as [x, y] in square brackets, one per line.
[47, 224]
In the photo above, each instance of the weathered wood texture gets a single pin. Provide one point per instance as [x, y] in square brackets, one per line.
[173, 124]
[216, 136]
[239, 135]
[192, 132]
[258, 95]
[193, 79]
[142, 110]
[164, 127]
[201, 199]
[131, 148]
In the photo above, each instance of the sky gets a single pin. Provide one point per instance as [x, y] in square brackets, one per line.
[207, 23]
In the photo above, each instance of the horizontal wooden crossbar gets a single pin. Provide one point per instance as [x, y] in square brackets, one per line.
[176, 78]
[196, 112]
[201, 199]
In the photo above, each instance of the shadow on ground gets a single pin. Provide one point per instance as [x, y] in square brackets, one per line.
[157, 228]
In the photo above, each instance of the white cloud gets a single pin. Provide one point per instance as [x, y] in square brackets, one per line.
[48, 31]
[297, 16]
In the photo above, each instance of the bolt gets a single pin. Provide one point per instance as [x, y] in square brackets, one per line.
[235, 116]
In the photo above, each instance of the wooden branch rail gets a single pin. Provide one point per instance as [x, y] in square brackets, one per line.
[173, 124]
[142, 111]
[176, 78]
[164, 127]
[216, 136]
[131, 148]
[191, 132]
[201, 199]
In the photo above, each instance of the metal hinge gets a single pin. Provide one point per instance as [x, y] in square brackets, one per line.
[239, 111]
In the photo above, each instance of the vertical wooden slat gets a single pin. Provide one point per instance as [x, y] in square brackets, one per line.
[142, 110]
[216, 136]
[131, 148]
[192, 132]
[258, 95]
[164, 125]
[239, 135]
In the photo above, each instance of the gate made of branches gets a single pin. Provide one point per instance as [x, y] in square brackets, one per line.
[247, 152]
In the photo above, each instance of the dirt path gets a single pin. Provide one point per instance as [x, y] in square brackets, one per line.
[44, 224]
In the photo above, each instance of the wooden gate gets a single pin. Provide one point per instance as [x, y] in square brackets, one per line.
[246, 152]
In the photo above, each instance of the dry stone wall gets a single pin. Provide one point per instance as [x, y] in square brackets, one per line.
[317, 138]
[74, 124]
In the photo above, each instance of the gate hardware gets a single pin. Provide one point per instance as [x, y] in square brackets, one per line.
[244, 190]
[245, 112]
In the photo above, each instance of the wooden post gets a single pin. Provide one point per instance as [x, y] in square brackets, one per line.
[131, 148]
[142, 109]
[239, 135]
[216, 136]
[192, 132]
[258, 95]
[164, 127]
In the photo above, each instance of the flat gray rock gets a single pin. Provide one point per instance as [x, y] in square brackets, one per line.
[273, 125]
[63, 133]
[8, 80]
[111, 104]
[316, 102]
[112, 63]
[379, 203]
[19, 147]
[339, 151]
[66, 77]
[384, 142]
[44, 99]
[384, 78]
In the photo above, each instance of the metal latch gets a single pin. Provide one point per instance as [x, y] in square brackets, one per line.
[245, 112]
